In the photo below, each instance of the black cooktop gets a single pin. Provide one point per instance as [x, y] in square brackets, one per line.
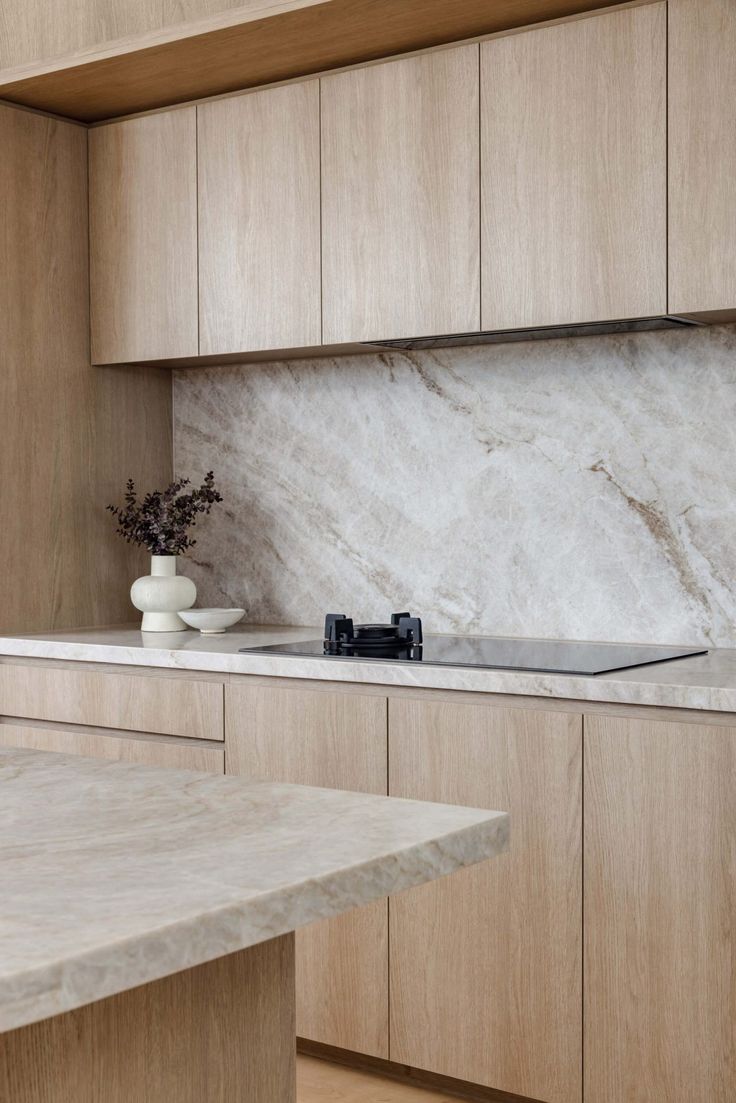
[402, 642]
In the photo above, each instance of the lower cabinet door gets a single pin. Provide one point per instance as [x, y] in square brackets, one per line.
[486, 965]
[336, 740]
[660, 912]
[184, 754]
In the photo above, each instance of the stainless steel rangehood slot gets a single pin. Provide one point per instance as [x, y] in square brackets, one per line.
[488, 337]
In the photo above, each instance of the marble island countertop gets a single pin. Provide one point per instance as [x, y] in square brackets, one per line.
[701, 682]
[116, 875]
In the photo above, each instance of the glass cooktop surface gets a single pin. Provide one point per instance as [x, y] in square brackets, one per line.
[498, 653]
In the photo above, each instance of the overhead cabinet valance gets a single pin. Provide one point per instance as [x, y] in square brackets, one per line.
[514, 184]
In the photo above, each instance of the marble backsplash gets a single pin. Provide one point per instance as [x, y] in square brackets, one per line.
[581, 488]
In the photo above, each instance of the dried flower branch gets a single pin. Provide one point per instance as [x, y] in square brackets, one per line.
[160, 522]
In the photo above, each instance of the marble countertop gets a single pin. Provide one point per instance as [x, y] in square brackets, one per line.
[115, 875]
[701, 682]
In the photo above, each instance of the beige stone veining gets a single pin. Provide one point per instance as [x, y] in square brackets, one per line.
[574, 489]
[702, 682]
[116, 875]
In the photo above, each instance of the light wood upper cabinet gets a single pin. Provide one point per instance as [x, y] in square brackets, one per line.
[702, 156]
[486, 965]
[336, 740]
[660, 908]
[574, 171]
[400, 219]
[143, 238]
[259, 221]
[367, 205]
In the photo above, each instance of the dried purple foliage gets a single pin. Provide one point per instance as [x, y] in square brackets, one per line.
[160, 522]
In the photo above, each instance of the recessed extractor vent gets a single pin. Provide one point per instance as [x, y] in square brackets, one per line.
[588, 329]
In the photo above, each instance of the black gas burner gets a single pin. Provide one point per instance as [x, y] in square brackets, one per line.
[403, 636]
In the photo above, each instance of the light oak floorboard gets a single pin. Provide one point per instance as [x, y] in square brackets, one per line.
[321, 1082]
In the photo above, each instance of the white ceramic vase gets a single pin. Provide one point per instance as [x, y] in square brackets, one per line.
[161, 594]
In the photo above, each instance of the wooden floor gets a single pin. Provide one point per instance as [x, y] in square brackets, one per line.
[321, 1082]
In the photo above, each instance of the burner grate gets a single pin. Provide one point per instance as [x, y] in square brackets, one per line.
[343, 636]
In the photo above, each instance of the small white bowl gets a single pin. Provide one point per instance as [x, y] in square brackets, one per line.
[211, 622]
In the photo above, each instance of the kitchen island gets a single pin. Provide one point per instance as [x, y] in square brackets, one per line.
[147, 919]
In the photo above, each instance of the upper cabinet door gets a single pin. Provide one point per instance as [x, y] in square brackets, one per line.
[259, 240]
[400, 204]
[143, 238]
[702, 156]
[574, 171]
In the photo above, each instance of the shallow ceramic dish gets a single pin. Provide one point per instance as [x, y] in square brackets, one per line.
[211, 622]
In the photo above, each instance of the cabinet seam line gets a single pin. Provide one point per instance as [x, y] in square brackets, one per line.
[582, 907]
[196, 190]
[388, 901]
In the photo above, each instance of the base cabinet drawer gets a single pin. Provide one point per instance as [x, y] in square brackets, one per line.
[485, 966]
[336, 740]
[142, 703]
[116, 748]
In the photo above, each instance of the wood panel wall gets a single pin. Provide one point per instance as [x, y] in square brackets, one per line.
[69, 433]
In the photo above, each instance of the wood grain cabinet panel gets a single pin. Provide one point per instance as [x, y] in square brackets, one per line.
[68, 433]
[574, 171]
[259, 215]
[143, 752]
[486, 965]
[660, 911]
[167, 706]
[702, 156]
[400, 221]
[143, 238]
[335, 740]
[221, 1032]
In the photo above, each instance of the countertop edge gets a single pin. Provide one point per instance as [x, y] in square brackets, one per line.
[634, 689]
[53, 988]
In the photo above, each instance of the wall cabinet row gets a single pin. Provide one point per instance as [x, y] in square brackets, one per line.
[517, 183]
